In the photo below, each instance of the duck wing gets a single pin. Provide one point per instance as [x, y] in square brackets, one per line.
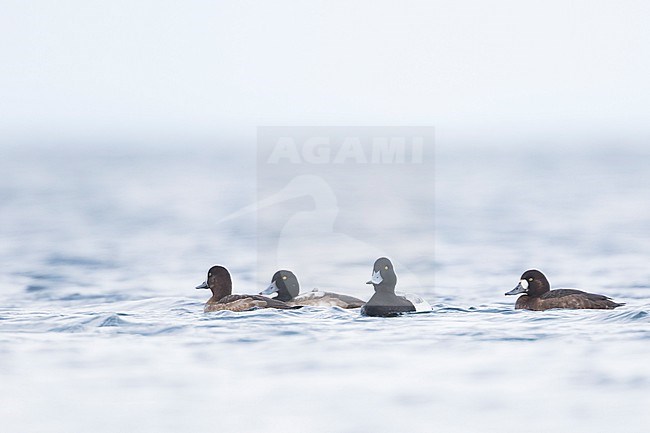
[247, 302]
[561, 293]
[572, 298]
[234, 303]
[274, 303]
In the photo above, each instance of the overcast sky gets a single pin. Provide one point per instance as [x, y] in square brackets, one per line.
[475, 70]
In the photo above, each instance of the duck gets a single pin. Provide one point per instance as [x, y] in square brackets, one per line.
[220, 283]
[385, 303]
[536, 294]
[285, 284]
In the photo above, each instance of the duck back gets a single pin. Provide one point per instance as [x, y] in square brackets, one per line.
[247, 302]
[317, 298]
[566, 298]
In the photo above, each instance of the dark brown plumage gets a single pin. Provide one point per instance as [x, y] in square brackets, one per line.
[537, 295]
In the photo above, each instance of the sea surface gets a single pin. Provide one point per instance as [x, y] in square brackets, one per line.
[101, 329]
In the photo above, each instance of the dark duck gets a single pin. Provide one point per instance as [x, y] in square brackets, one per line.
[285, 284]
[220, 283]
[385, 303]
[536, 294]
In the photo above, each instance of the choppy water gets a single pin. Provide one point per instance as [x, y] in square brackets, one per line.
[101, 330]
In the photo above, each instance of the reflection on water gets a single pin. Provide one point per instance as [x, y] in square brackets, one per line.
[100, 327]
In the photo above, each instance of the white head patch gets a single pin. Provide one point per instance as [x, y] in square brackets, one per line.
[376, 278]
[524, 284]
[271, 291]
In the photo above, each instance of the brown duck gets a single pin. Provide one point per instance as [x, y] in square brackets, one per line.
[537, 295]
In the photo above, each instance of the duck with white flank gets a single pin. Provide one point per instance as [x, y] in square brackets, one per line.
[286, 285]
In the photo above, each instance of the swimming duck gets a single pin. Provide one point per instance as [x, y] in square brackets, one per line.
[385, 303]
[537, 295]
[286, 285]
[220, 283]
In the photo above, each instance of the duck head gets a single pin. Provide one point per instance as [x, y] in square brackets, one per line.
[383, 275]
[218, 281]
[285, 284]
[531, 283]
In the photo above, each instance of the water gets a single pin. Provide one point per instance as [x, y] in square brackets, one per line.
[100, 328]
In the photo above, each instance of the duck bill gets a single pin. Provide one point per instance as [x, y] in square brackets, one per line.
[270, 290]
[522, 287]
[376, 278]
[203, 285]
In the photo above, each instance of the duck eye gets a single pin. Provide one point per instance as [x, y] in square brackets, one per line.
[386, 267]
[530, 279]
[284, 277]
